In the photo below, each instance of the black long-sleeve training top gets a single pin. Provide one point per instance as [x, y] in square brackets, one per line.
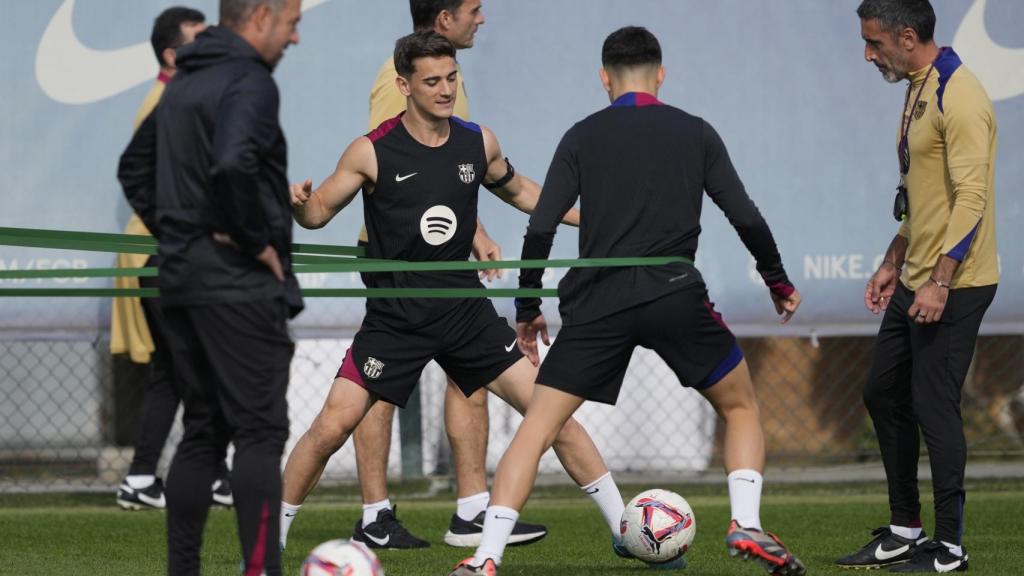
[212, 159]
[640, 170]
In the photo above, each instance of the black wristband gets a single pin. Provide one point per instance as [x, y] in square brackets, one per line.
[504, 179]
[527, 309]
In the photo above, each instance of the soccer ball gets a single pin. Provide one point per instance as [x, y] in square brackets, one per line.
[341, 558]
[658, 526]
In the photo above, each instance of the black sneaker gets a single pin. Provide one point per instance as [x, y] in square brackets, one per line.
[885, 549]
[221, 492]
[134, 499]
[467, 533]
[933, 557]
[387, 533]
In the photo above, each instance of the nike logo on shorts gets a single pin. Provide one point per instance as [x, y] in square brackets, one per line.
[680, 277]
[399, 178]
[511, 346]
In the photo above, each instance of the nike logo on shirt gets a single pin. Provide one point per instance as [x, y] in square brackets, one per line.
[400, 178]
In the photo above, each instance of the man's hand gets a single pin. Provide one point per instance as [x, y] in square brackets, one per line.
[881, 287]
[269, 259]
[527, 334]
[786, 306]
[929, 302]
[300, 193]
[485, 249]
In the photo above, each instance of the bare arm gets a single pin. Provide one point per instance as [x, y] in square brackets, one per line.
[520, 191]
[356, 168]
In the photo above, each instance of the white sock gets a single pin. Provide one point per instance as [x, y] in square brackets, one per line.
[140, 481]
[370, 511]
[288, 512]
[906, 531]
[745, 497]
[605, 494]
[955, 549]
[498, 524]
[470, 507]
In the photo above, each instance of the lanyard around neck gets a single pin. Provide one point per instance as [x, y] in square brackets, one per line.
[903, 151]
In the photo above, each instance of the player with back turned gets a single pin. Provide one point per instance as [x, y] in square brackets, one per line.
[640, 170]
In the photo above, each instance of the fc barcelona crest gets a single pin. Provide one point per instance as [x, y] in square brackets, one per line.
[373, 368]
[920, 109]
[466, 173]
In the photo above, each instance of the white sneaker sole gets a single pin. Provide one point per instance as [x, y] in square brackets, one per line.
[473, 540]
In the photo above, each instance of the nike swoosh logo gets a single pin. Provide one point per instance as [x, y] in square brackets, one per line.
[752, 481]
[399, 178]
[159, 502]
[680, 277]
[997, 67]
[379, 541]
[496, 517]
[287, 515]
[594, 491]
[511, 346]
[940, 567]
[884, 555]
[70, 72]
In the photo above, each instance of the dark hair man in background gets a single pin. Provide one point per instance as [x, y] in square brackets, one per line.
[466, 419]
[214, 191]
[937, 279]
[136, 325]
[606, 314]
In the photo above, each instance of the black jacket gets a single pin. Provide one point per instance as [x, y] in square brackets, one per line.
[212, 158]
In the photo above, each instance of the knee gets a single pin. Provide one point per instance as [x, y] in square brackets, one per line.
[874, 398]
[327, 435]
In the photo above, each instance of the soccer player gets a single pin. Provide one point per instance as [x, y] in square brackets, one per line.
[937, 279]
[206, 172]
[640, 169]
[420, 173]
[465, 419]
[136, 325]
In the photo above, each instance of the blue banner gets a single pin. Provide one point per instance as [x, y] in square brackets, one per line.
[809, 124]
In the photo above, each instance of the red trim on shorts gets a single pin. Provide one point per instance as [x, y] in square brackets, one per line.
[349, 370]
[714, 314]
[258, 560]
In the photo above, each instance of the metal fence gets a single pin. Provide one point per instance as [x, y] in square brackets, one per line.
[66, 424]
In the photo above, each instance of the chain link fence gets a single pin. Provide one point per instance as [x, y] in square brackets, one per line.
[66, 424]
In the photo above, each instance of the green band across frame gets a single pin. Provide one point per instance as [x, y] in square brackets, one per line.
[309, 258]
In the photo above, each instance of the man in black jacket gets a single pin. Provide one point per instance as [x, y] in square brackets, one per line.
[207, 174]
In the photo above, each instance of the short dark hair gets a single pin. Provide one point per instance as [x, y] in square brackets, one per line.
[234, 13]
[896, 15]
[426, 44]
[630, 46]
[424, 12]
[167, 29]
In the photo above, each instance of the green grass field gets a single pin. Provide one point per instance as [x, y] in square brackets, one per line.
[87, 534]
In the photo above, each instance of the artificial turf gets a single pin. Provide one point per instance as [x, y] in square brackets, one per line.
[87, 534]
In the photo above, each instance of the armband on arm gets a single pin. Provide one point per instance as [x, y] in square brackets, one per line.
[504, 179]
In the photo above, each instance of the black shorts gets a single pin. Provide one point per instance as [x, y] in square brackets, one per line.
[471, 343]
[590, 360]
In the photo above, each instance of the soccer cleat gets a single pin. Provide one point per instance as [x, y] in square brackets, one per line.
[386, 533]
[221, 492]
[152, 496]
[622, 552]
[933, 557]
[465, 568]
[885, 549]
[468, 533]
[765, 547]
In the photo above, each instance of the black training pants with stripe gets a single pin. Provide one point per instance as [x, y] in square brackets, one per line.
[915, 387]
[233, 361]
